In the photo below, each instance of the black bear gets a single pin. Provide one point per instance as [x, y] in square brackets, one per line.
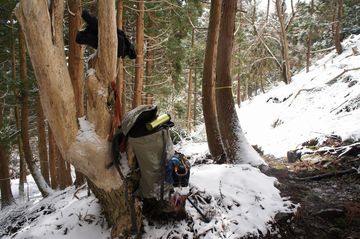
[89, 36]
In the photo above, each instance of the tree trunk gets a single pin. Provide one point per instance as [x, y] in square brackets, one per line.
[86, 145]
[52, 160]
[309, 37]
[208, 83]
[5, 186]
[76, 67]
[139, 63]
[42, 145]
[30, 161]
[22, 163]
[63, 173]
[189, 99]
[284, 42]
[195, 98]
[337, 27]
[120, 76]
[235, 145]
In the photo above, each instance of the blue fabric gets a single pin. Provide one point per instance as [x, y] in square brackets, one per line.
[174, 161]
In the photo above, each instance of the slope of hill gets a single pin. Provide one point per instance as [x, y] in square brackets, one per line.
[325, 101]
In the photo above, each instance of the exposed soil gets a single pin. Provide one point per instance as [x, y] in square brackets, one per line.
[329, 207]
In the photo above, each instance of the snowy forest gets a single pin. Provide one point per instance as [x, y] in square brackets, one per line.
[179, 119]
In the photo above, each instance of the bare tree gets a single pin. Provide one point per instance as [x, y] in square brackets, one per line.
[208, 83]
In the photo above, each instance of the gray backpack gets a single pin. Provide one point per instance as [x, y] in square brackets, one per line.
[153, 149]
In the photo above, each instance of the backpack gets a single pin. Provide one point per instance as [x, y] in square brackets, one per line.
[161, 169]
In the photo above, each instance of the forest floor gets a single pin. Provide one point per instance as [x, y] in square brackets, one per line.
[329, 204]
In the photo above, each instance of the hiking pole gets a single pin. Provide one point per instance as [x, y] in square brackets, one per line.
[207, 220]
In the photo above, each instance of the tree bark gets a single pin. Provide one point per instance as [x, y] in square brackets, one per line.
[63, 173]
[86, 145]
[235, 145]
[284, 42]
[139, 63]
[22, 163]
[208, 83]
[76, 67]
[5, 187]
[120, 76]
[30, 160]
[42, 145]
[337, 27]
[309, 37]
[189, 100]
[189, 123]
[52, 160]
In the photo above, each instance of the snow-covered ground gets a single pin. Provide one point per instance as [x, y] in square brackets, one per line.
[240, 200]
[315, 104]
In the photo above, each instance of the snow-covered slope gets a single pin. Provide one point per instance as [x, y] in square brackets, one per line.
[324, 101]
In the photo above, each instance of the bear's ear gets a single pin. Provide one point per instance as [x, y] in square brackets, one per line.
[91, 21]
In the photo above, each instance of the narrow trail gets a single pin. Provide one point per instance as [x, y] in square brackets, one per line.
[329, 207]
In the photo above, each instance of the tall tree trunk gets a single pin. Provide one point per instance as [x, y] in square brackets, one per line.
[189, 123]
[86, 145]
[189, 99]
[284, 42]
[337, 27]
[5, 187]
[150, 51]
[309, 37]
[52, 160]
[208, 83]
[76, 67]
[30, 160]
[120, 76]
[42, 145]
[235, 145]
[22, 163]
[195, 98]
[139, 63]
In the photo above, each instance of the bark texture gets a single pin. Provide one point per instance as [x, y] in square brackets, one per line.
[337, 27]
[30, 160]
[284, 42]
[82, 143]
[42, 144]
[5, 187]
[235, 145]
[139, 63]
[76, 66]
[208, 82]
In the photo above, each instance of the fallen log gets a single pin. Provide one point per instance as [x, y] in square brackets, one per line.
[327, 175]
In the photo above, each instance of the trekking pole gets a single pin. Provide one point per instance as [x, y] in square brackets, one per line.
[207, 220]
